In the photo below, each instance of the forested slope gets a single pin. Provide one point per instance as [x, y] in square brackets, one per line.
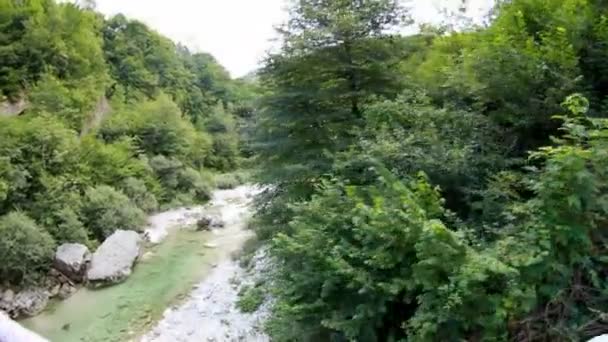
[445, 186]
[119, 122]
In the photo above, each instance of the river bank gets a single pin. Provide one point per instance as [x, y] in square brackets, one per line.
[164, 276]
[210, 312]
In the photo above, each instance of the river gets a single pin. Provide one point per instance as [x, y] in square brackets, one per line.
[173, 273]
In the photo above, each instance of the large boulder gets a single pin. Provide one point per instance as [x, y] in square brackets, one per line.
[29, 302]
[114, 259]
[72, 259]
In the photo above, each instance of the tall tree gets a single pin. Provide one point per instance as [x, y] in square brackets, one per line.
[336, 55]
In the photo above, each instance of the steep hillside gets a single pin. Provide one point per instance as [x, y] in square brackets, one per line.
[103, 121]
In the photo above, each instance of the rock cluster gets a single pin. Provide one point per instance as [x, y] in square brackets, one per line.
[28, 302]
[74, 264]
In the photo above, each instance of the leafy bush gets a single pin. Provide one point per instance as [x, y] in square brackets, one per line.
[106, 210]
[250, 299]
[230, 180]
[70, 103]
[36, 154]
[518, 253]
[26, 250]
[158, 128]
[225, 150]
[112, 163]
[66, 227]
[167, 170]
[191, 181]
[377, 263]
[178, 179]
[136, 190]
[457, 149]
[360, 254]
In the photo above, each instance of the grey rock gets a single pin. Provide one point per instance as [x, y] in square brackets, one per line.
[203, 224]
[66, 291]
[8, 296]
[8, 108]
[54, 291]
[29, 302]
[114, 259]
[208, 222]
[72, 259]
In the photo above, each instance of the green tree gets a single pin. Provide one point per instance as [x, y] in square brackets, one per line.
[41, 37]
[106, 210]
[25, 248]
[336, 57]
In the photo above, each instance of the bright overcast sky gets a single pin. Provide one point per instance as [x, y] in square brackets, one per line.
[236, 32]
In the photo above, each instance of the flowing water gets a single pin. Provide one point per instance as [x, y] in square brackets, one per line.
[165, 276]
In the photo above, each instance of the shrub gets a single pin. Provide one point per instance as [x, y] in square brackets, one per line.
[114, 162]
[225, 152]
[136, 190]
[225, 149]
[26, 250]
[192, 182]
[68, 102]
[158, 128]
[67, 227]
[229, 180]
[178, 179]
[166, 170]
[360, 255]
[250, 299]
[33, 148]
[106, 210]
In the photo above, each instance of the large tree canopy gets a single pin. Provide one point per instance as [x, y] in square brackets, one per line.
[119, 121]
[448, 185]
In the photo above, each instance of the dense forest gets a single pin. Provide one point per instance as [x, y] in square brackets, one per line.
[445, 186]
[105, 121]
[450, 185]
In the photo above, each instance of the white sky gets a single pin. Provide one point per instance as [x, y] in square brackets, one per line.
[236, 32]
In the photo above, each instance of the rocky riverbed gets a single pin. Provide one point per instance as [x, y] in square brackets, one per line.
[184, 266]
[210, 312]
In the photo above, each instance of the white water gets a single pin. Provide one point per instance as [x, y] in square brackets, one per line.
[229, 205]
[210, 313]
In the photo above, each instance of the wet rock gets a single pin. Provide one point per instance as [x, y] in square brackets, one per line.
[208, 222]
[8, 295]
[66, 291]
[72, 259]
[54, 291]
[114, 259]
[203, 224]
[29, 302]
